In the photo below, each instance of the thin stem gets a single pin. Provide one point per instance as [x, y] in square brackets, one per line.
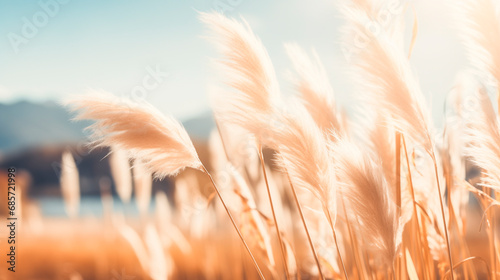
[433, 156]
[398, 189]
[419, 237]
[398, 172]
[467, 260]
[305, 226]
[336, 243]
[261, 156]
[362, 271]
[222, 139]
[234, 223]
[492, 235]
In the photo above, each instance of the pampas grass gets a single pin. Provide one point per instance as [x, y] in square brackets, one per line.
[315, 90]
[250, 73]
[483, 131]
[378, 196]
[303, 153]
[363, 184]
[159, 141]
[389, 84]
[479, 23]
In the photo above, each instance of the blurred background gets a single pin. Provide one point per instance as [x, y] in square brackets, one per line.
[156, 51]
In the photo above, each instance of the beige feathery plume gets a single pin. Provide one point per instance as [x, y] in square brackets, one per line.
[379, 16]
[365, 189]
[140, 129]
[315, 89]
[454, 162]
[382, 146]
[70, 184]
[386, 79]
[305, 156]
[120, 170]
[483, 137]
[479, 23]
[148, 250]
[142, 186]
[249, 72]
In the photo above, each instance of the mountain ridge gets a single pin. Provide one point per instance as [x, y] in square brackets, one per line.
[27, 125]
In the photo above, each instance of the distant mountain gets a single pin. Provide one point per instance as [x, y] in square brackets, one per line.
[26, 125]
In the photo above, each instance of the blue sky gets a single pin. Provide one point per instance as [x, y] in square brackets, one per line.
[113, 45]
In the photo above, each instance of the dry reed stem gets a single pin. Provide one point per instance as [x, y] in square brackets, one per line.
[433, 156]
[330, 221]
[467, 260]
[415, 212]
[234, 223]
[299, 208]
[278, 232]
[354, 246]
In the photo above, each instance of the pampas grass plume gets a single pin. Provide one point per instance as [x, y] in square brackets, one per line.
[159, 141]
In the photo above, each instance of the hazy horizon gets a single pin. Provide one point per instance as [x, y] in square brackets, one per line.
[115, 46]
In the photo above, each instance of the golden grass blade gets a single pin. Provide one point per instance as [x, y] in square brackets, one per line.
[142, 186]
[135, 241]
[412, 272]
[158, 265]
[414, 33]
[163, 212]
[120, 170]
[70, 184]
